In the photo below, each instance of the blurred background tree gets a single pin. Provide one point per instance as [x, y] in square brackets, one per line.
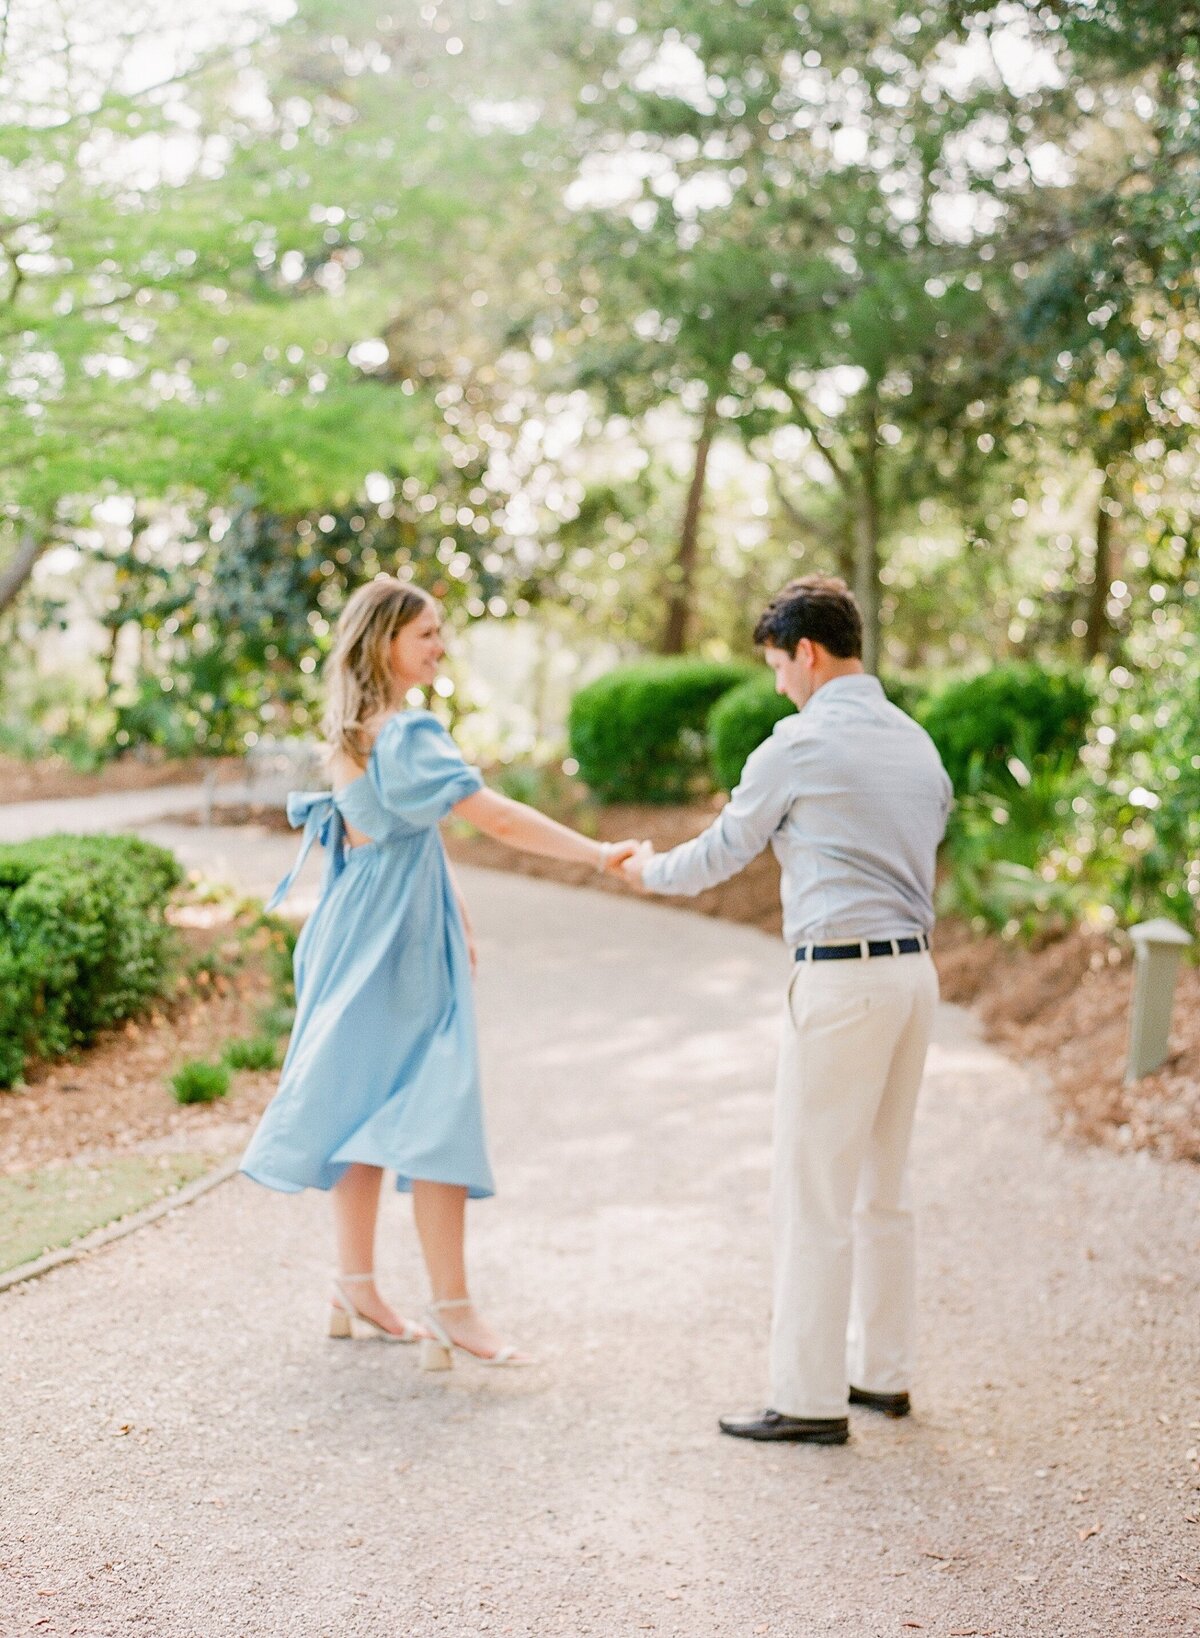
[601, 319]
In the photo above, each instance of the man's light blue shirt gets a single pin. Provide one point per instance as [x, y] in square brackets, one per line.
[852, 796]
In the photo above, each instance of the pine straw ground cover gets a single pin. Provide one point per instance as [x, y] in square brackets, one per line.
[1064, 1010]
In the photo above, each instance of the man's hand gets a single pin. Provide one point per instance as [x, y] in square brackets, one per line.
[635, 863]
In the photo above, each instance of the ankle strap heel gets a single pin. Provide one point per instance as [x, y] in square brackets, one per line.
[438, 1350]
[345, 1315]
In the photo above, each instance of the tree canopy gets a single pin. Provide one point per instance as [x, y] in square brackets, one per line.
[613, 315]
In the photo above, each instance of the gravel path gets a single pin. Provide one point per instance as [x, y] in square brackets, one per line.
[121, 810]
[184, 1455]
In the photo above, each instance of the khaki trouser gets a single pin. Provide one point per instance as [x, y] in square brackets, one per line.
[855, 1034]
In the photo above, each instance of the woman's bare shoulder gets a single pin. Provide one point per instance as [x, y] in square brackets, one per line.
[343, 769]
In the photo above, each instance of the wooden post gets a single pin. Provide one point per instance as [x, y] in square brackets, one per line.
[1157, 947]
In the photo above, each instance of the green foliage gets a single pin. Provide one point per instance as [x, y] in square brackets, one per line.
[1004, 897]
[739, 722]
[993, 729]
[544, 785]
[639, 733]
[258, 1052]
[1137, 817]
[277, 1020]
[200, 1082]
[83, 940]
[998, 853]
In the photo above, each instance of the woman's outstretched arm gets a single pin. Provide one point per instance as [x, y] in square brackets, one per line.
[525, 828]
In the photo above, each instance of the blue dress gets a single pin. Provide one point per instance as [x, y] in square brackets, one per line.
[382, 1066]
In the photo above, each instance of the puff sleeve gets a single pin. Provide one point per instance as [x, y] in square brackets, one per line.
[418, 772]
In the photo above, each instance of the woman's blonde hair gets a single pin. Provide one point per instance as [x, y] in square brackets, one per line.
[359, 685]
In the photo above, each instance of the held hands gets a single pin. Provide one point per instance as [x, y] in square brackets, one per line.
[615, 854]
[634, 863]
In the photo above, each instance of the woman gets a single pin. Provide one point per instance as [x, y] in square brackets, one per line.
[381, 1071]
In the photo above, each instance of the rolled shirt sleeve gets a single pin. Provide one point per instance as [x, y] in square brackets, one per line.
[740, 832]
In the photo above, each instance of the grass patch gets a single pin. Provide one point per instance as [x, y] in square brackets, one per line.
[43, 1210]
[259, 1052]
[200, 1082]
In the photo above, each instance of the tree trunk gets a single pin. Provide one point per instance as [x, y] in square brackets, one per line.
[1099, 628]
[866, 543]
[20, 566]
[682, 573]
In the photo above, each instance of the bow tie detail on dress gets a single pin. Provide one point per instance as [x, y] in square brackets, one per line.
[322, 820]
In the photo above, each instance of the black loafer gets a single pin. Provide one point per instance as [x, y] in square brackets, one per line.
[891, 1404]
[773, 1427]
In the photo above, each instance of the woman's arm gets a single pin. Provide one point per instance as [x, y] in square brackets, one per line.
[525, 828]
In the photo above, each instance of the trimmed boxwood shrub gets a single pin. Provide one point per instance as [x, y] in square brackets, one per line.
[739, 722]
[1016, 710]
[639, 733]
[83, 940]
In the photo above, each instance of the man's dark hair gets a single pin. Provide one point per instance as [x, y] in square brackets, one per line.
[819, 607]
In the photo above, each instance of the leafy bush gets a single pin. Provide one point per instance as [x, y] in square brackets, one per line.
[83, 940]
[1019, 711]
[739, 722]
[1002, 854]
[639, 733]
[259, 1052]
[1137, 832]
[200, 1082]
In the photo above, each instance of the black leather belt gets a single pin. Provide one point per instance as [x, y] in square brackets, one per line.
[863, 947]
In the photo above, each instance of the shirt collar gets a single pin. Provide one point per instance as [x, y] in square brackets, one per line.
[862, 684]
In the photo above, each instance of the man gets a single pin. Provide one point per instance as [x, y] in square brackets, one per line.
[852, 796]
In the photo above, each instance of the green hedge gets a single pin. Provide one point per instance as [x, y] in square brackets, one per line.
[739, 722]
[639, 733]
[83, 940]
[1017, 710]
